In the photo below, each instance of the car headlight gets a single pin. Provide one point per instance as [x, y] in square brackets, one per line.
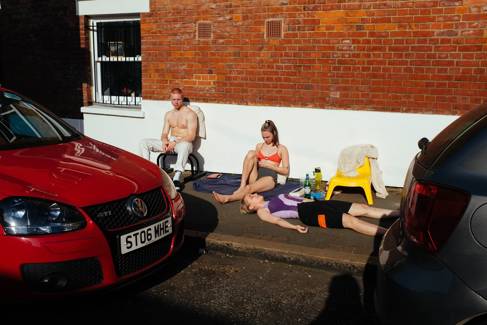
[28, 216]
[168, 185]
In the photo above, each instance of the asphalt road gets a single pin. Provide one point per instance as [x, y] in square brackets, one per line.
[213, 287]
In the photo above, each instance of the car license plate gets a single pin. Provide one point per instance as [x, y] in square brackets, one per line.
[145, 236]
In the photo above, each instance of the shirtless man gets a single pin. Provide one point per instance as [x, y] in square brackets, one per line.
[177, 136]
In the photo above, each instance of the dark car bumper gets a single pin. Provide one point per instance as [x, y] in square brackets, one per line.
[414, 287]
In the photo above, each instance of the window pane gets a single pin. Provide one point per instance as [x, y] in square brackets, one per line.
[121, 78]
[117, 68]
[118, 39]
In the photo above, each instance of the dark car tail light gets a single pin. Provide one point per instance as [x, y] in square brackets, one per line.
[432, 213]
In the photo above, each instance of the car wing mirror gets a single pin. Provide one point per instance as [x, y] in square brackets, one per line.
[423, 144]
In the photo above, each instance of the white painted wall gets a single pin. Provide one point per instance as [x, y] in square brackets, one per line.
[111, 7]
[314, 137]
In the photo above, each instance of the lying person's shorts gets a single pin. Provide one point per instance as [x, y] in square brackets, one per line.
[263, 172]
[324, 214]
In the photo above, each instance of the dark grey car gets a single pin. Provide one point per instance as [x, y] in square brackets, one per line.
[433, 261]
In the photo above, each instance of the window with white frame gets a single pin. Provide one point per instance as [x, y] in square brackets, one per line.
[116, 61]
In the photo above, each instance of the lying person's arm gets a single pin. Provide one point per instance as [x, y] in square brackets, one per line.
[266, 216]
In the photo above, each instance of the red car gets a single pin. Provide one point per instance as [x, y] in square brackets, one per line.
[76, 214]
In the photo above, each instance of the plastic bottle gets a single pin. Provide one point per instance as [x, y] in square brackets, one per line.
[307, 187]
[317, 174]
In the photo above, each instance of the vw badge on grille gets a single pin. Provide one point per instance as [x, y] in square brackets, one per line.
[137, 207]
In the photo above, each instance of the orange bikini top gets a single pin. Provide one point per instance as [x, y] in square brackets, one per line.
[274, 157]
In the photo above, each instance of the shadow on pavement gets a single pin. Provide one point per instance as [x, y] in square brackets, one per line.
[201, 215]
[344, 304]
[369, 276]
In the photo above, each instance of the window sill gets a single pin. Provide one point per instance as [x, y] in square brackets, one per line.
[112, 7]
[113, 111]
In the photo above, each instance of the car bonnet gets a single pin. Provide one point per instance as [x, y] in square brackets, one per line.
[82, 172]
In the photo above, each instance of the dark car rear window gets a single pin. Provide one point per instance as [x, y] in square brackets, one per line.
[449, 134]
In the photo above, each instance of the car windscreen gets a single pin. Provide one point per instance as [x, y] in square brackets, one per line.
[436, 147]
[24, 124]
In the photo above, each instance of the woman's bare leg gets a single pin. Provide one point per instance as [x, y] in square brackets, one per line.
[249, 175]
[235, 196]
[361, 226]
[249, 169]
[359, 209]
[261, 185]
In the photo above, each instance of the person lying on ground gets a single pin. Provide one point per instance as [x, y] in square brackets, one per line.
[325, 214]
[261, 166]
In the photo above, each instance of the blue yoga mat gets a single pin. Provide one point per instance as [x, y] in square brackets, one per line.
[227, 184]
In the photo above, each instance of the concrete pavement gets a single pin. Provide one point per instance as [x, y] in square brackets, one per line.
[225, 229]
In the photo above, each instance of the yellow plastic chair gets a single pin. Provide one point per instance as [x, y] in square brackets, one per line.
[363, 180]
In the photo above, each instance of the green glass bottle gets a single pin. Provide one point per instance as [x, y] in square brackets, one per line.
[307, 187]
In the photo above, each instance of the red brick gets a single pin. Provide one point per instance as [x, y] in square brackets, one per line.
[470, 48]
[376, 52]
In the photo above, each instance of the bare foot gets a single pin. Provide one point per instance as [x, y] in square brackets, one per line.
[220, 197]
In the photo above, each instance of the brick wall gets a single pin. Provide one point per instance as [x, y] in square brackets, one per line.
[405, 56]
[43, 55]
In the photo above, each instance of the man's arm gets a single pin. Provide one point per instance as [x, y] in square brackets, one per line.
[192, 124]
[166, 146]
[165, 130]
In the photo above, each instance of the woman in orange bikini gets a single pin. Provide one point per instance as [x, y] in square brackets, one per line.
[261, 166]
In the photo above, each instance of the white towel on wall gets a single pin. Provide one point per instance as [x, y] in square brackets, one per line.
[353, 157]
[201, 121]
